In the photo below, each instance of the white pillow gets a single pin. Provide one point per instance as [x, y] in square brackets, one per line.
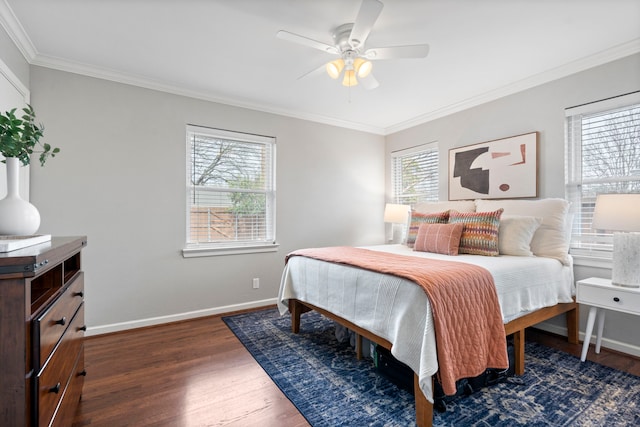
[457, 205]
[550, 239]
[515, 234]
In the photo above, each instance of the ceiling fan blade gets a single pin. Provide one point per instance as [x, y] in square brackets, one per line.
[367, 16]
[314, 72]
[397, 52]
[305, 41]
[369, 82]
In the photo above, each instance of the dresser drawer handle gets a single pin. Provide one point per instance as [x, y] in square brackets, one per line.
[55, 389]
[62, 321]
[82, 328]
[616, 299]
[83, 373]
[78, 294]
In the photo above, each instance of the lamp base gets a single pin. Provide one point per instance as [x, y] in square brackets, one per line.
[626, 253]
[623, 285]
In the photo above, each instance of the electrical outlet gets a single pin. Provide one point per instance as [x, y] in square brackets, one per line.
[256, 283]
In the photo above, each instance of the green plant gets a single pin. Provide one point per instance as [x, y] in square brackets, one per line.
[20, 137]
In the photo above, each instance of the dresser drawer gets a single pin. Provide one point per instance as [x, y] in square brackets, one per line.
[67, 409]
[52, 382]
[613, 297]
[50, 326]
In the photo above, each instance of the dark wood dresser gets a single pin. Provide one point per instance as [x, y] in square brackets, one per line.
[41, 333]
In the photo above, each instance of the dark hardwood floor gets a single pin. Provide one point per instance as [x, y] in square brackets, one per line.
[197, 373]
[191, 373]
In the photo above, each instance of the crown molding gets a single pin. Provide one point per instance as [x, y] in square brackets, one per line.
[15, 81]
[565, 70]
[16, 32]
[144, 82]
[617, 52]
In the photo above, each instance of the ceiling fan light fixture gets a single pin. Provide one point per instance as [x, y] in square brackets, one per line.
[349, 78]
[349, 43]
[334, 68]
[362, 67]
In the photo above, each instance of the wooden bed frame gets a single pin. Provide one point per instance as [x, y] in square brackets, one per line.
[424, 408]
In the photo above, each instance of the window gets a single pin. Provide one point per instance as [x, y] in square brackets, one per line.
[415, 174]
[231, 192]
[603, 156]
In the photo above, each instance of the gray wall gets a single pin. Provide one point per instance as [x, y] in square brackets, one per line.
[121, 180]
[538, 109]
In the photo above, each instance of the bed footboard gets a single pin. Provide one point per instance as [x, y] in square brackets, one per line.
[424, 408]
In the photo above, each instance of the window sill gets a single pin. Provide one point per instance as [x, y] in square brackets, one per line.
[592, 261]
[202, 251]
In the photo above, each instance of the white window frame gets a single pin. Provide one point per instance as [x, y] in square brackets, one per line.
[230, 247]
[588, 246]
[400, 195]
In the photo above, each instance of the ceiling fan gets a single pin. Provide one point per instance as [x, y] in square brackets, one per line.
[354, 60]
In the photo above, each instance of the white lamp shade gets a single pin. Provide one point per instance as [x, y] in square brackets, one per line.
[396, 214]
[617, 212]
[349, 78]
[362, 67]
[334, 68]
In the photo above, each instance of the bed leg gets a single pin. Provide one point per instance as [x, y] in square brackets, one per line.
[518, 346]
[295, 308]
[424, 408]
[572, 325]
[358, 347]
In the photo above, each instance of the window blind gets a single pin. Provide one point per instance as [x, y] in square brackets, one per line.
[231, 188]
[415, 174]
[603, 156]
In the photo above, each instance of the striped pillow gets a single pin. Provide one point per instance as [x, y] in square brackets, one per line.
[480, 233]
[418, 218]
[439, 238]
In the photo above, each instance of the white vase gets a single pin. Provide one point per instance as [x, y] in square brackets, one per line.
[17, 216]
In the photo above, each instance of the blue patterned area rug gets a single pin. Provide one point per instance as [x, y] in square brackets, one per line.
[331, 388]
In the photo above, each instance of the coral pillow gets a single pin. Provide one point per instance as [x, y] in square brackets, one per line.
[439, 238]
[421, 218]
[480, 233]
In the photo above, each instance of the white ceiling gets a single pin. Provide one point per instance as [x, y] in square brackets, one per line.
[227, 51]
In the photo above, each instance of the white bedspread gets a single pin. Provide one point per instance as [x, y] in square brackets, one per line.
[399, 311]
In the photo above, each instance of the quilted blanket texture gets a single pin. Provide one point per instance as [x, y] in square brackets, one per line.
[467, 318]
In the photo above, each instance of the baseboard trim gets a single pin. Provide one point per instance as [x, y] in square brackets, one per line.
[610, 344]
[152, 321]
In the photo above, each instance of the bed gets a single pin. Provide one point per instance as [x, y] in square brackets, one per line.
[533, 282]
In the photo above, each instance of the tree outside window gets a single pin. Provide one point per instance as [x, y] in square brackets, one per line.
[603, 157]
[231, 188]
[415, 174]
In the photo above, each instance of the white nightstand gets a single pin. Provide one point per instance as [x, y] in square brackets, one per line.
[599, 294]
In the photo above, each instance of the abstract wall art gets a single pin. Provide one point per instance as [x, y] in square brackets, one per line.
[499, 169]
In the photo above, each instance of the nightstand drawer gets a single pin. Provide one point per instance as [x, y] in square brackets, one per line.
[613, 297]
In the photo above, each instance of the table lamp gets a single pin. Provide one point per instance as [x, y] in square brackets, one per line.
[396, 214]
[621, 213]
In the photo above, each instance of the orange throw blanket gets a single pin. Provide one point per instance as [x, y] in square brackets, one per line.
[468, 324]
